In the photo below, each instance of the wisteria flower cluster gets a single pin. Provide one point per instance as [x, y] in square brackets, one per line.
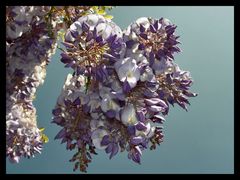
[119, 93]
[121, 88]
[31, 39]
[28, 50]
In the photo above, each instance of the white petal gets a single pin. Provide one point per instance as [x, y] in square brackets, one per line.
[127, 32]
[146, 132]
[138, 149]
[128, 115]
[101, 28]
[143, 21]
[166, 22]
[14, 34]
[132, 81]
[151, 132]
[116, 30]
[135, 48]
[97, 136]
[82, 19]
[127, 68]
[69, 37]
[11, 123]
[107, 32]
[76, 26]
[108, 104]
[92, 21]
[122, 73]
[96, 123]
[104, 105]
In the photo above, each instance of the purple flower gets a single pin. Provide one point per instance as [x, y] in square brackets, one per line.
[174, 86]
[28, 52]
[154, 38]
[105, 140]
[136, 140]
[97, 137]
[114, 150]
[90, 41]
[121, 86]
[141, 126]
[23, 138]
[135, 154]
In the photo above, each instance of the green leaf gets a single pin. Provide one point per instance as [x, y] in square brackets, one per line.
[95, 8]
[101, 12]
[61, 35]
[45, 138]
[42, 129]
[107, 16]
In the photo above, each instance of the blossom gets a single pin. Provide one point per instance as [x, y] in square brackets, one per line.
[147, 74]
[135, 154]
[128, 115]
[97, 136]
[154, 38]
[145, 129]
[108, 104]
[174, 86]
[120, 90]
[28, 52]
[24, 139]
[127, 71]
[90, 41]
[19, 19]
[71, 115]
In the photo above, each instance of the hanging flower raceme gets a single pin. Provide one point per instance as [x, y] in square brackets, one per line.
[24, 139]
[120, 89]
[71, 115]
[156, 40]
[173, 86]
[118, 95]
[29, 48]
[100, 119]
[31, 34]
[152, 37]
[92, 44]
[19, 19]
